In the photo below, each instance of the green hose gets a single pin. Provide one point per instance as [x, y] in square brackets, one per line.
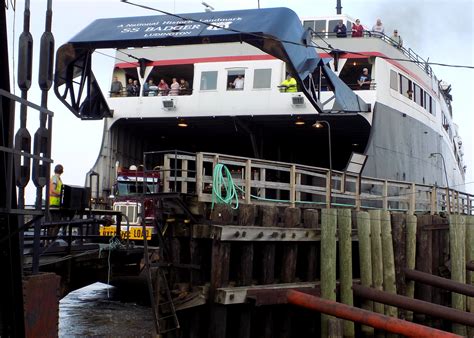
[222, 180]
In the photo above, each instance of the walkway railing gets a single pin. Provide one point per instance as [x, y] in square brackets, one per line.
[278, 183]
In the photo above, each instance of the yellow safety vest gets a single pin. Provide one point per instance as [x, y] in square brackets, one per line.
[290, 85]
[55, 194]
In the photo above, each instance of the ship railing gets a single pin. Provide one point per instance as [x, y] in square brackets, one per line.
[158, 92]
[267, 182]
[408, 52]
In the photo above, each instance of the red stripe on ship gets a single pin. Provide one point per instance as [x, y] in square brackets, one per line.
[198, 60]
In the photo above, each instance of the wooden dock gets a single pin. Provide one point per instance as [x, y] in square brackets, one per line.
[312, 230]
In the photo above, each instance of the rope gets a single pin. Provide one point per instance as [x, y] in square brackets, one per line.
[222, 180]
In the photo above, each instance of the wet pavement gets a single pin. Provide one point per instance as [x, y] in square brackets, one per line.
[93, 311]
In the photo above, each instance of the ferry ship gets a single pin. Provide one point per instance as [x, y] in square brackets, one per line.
[402, 121]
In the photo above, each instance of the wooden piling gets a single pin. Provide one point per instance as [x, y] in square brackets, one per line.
[247, 216]
[310, 220]
[469, 258]
[344, 221]
[377, 260]
[219, 278]
[336, 328]
[291, 219]
[389, 283]
[424, 256]
[457, 241]
[269, 219]
[411, 257]
[398, 221]
[328, 261]
[365, 260]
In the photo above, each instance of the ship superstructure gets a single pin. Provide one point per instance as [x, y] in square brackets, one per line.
[406, 134]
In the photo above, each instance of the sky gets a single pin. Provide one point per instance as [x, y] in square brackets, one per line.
[442, 30]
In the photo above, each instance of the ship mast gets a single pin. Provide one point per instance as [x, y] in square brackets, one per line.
[339, 7]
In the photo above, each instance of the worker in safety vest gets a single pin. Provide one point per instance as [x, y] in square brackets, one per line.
[289, 85]
[55, 185]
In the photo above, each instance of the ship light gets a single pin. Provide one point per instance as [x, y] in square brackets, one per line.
[182, 123]
[318, 125]
[299, 121]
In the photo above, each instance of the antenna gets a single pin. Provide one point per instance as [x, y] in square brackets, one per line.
[208, 8]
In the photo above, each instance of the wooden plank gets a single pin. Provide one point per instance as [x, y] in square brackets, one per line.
[411, 257]
[166, 173]
[220, 261]
[245, 322]
[247, 216]
[328, 261]
[248, 181]
[377, 260]
[389, 283]
[222, 214]
[291, 218]
[311, 221]
[335, 328]
[457, 250]
[292, 186]
[269, 219]
[344, 221]
[199, 175]
[184, 176]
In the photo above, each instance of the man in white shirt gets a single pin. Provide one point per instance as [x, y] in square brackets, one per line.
[239, 82]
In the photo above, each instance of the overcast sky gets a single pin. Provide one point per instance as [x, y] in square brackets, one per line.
[442, 30]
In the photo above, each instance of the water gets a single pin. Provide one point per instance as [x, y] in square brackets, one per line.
[90, 312]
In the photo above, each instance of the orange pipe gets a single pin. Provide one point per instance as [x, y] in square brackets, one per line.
[365, 317]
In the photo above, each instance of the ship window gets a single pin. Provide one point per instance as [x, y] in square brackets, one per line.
[352, 71]
[405, 87]
[235, 79]
[308, 24]
[262, 78]
[320, 26]
[332, 24]
[394, 80]
[209, 80]
[418, 92]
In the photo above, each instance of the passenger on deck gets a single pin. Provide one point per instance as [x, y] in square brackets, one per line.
[288, 85]
[163, 87]
[183, 87]
[238, 82]
[357, 29]
[136, 88]
[340, 30]
[174, 87]
[149, 88]
[131, 89]
[364, 80]
[116, 88]
[378, 28]
[396, 39]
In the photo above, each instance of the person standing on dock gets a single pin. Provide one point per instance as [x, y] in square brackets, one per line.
[55, 185]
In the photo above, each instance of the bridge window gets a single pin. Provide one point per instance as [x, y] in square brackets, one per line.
[262, 78]
[316, 25]
[209, 80]
[236, 79]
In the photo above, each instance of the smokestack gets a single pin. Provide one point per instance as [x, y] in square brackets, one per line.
[339, 7]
